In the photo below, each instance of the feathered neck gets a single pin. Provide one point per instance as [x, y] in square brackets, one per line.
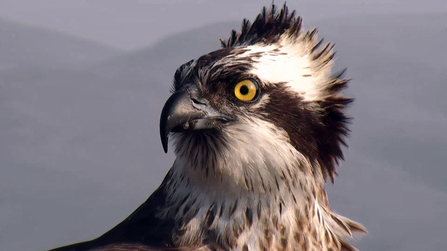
[249, 198]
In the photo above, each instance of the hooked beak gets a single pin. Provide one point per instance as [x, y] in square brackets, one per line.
[187, 110]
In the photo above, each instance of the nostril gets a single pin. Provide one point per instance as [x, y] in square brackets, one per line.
[195, 95]
[200, 101]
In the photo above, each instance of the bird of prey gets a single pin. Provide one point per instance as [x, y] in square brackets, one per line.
[257, 128]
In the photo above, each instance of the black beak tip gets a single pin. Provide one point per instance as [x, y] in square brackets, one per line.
[164, 136]
[164, 142]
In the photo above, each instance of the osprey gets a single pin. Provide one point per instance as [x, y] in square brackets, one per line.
[257, 128]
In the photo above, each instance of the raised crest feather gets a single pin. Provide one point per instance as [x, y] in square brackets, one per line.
[268, 26]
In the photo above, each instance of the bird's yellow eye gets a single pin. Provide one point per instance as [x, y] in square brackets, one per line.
[246, 90]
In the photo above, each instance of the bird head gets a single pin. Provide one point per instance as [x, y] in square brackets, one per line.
[266, 98]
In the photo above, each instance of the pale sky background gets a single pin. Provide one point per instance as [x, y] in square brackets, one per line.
[82, 84]
[130, 24]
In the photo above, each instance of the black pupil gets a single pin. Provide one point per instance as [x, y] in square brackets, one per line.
[244, 90]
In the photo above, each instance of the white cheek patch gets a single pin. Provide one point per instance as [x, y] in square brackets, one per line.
[290, 62]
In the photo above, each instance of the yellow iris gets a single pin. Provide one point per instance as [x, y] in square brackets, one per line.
[245, 90]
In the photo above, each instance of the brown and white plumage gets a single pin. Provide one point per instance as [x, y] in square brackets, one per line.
[249, 174]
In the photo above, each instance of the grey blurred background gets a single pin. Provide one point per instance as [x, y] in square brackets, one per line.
[82, 84]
